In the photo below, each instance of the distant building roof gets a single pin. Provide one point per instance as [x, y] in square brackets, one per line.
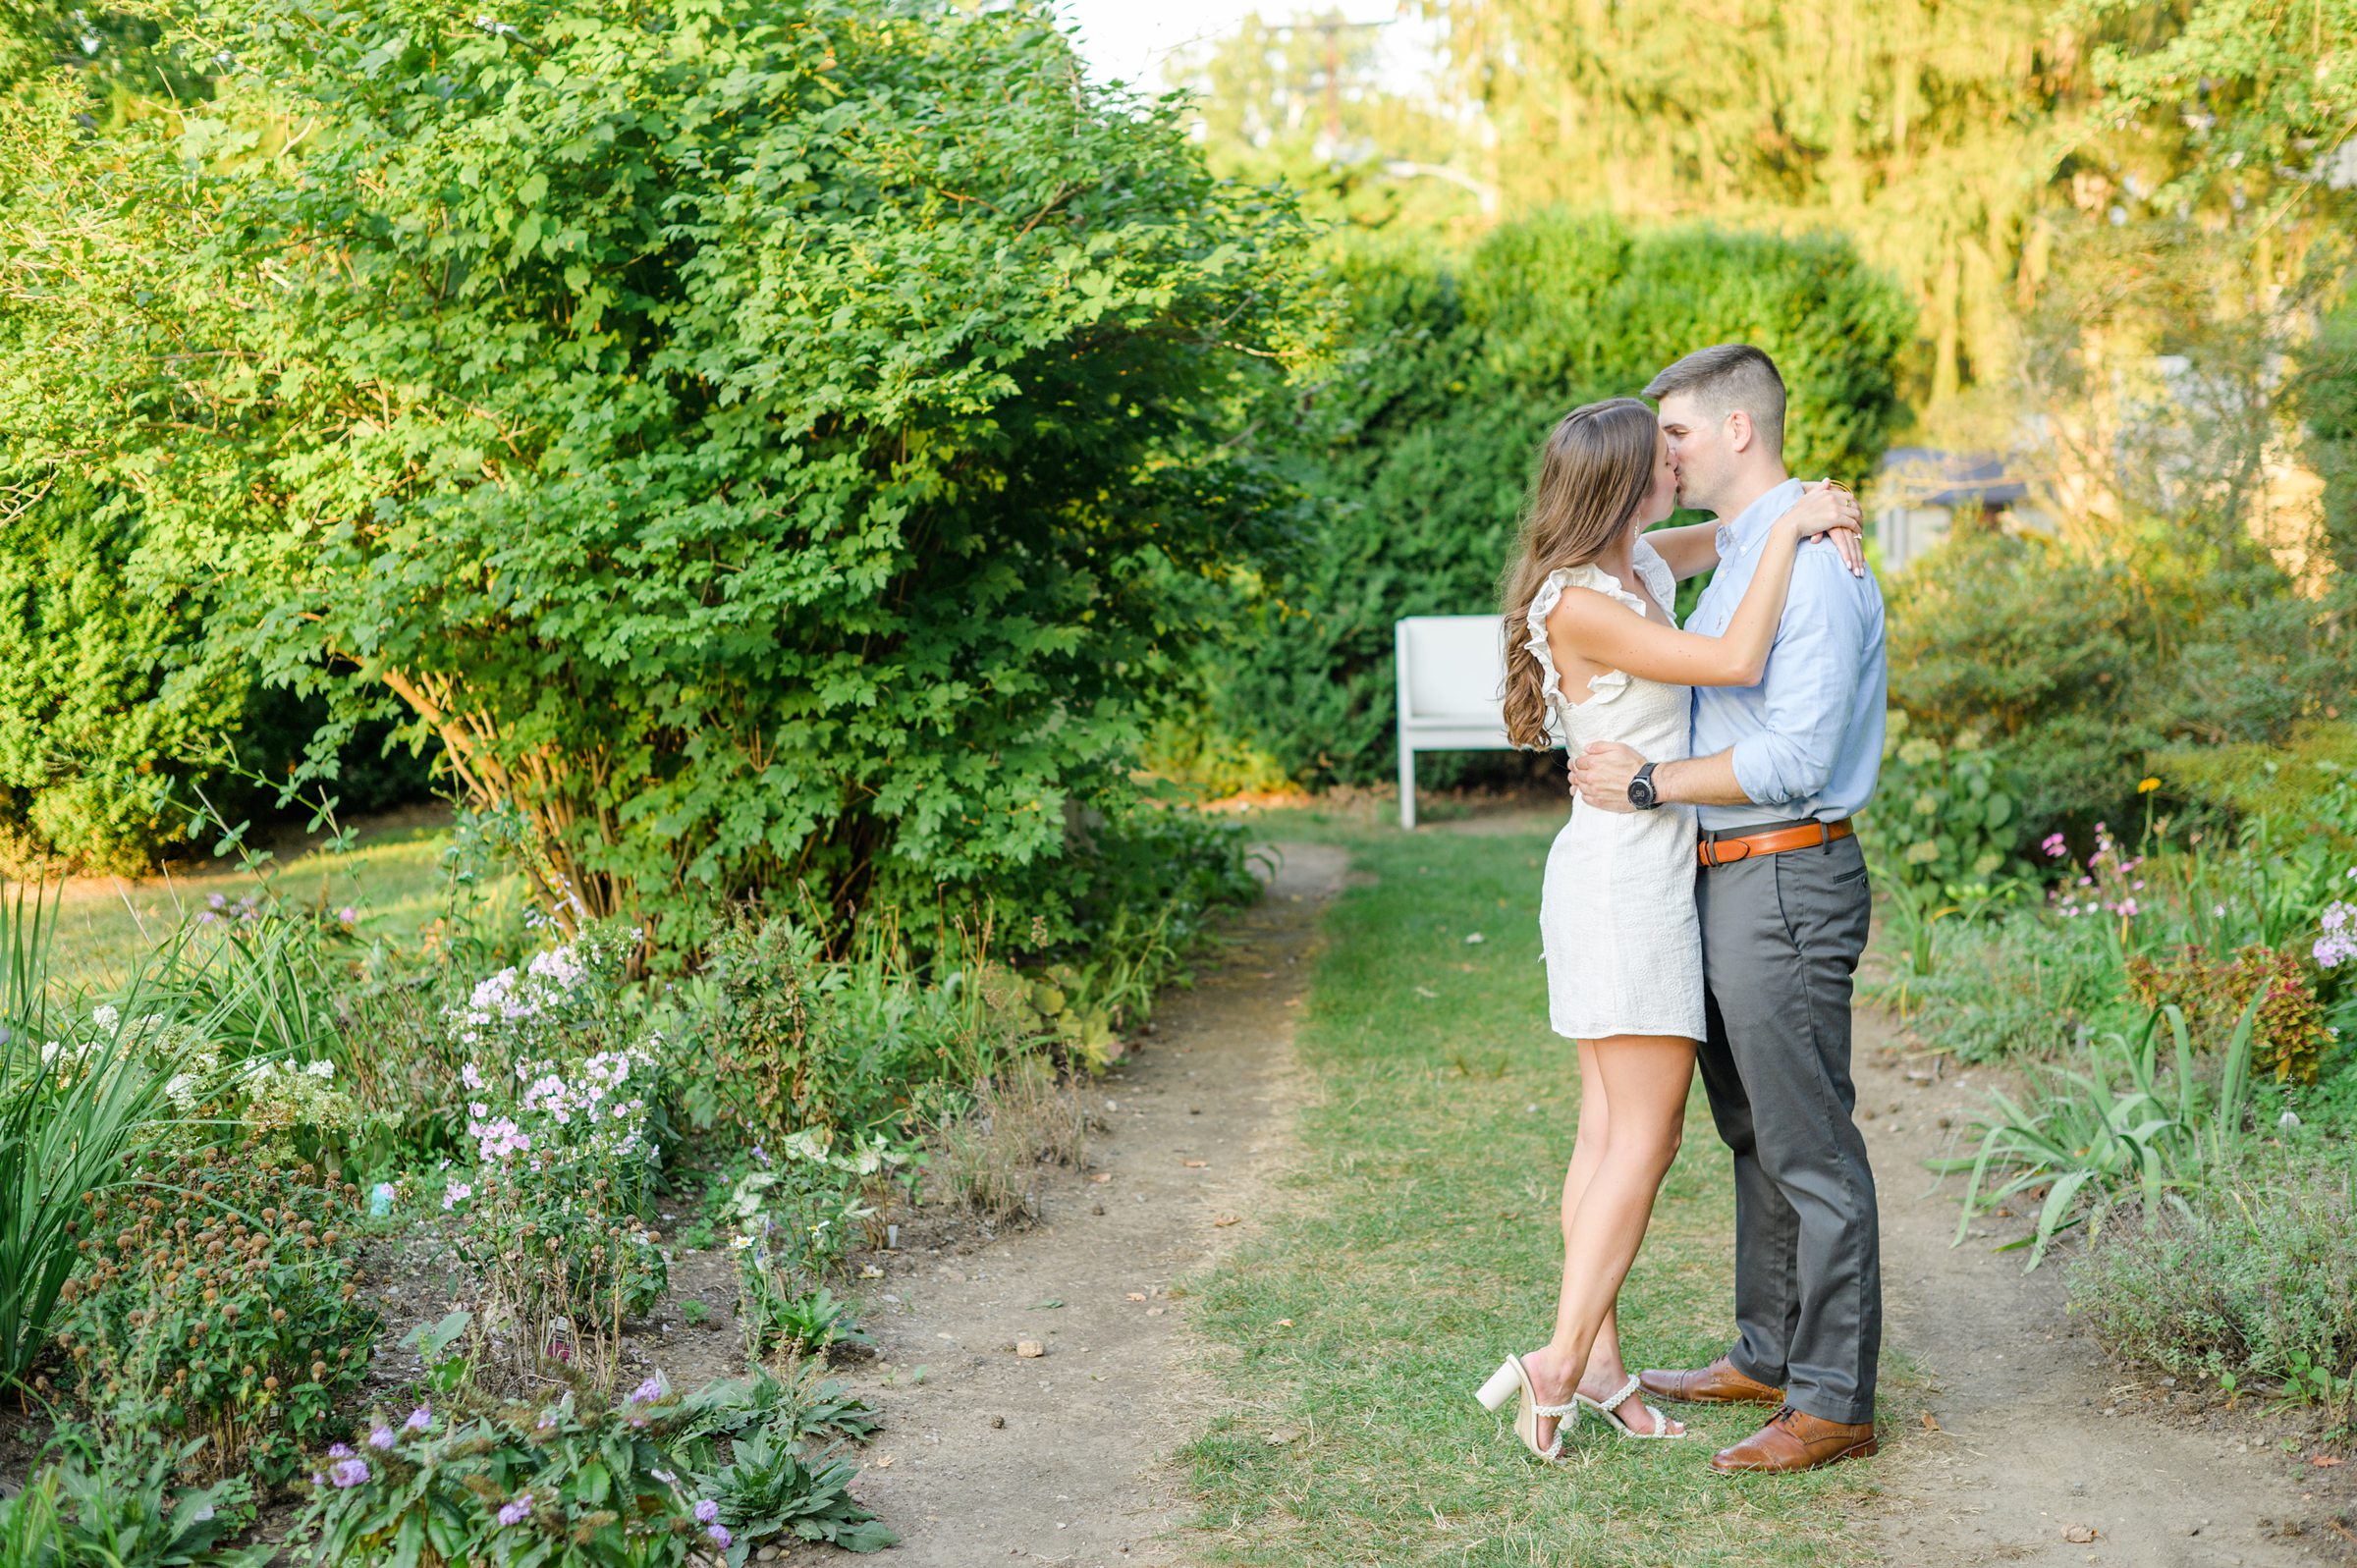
[1923, 476]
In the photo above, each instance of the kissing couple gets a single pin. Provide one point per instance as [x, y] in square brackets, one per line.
[1708, 898]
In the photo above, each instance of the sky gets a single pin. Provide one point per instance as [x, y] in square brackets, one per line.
[1131, 39]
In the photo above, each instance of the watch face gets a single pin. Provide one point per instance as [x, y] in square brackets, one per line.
[1640, 794]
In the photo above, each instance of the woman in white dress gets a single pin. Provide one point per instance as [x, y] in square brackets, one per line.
[1591, 639]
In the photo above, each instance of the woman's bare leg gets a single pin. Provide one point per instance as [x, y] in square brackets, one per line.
[1637, 1085]
[1587, 1152]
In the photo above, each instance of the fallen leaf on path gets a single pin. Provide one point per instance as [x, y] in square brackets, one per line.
[884, 1461]
[1931, 1423]
[2082, 1534]
[1225, 1221]
[1102, 1175]
[1137, 1295]
[2325, 1461]
[1192, 1165]
[1047, 1305]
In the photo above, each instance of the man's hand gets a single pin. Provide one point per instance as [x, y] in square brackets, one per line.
[1601, 774]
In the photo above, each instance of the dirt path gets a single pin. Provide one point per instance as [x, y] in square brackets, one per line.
[2039, 1439]
[1067, 1458]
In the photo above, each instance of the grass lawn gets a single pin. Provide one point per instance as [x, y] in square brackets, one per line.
[1420, 1243]
[393, 880]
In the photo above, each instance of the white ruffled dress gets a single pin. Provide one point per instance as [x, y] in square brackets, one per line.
[1623, 946]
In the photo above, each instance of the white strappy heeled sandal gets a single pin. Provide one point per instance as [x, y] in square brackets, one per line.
[1503, 1386]
[1607, 1407]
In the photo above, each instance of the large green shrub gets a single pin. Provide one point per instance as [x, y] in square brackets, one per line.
[758, 443]
[1418, 454]
[116, 709]
[2081, 675]
[105, 694]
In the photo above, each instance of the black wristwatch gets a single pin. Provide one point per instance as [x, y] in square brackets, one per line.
[1640, 788]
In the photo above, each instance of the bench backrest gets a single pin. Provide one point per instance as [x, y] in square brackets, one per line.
[1452, 673]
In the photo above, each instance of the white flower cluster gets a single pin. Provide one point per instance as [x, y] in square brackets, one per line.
[522, 1003]
[280, 1095]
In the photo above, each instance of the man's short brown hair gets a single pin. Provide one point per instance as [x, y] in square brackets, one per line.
[1727, 376]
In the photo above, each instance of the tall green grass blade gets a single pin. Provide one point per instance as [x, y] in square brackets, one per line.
[2234, 1083]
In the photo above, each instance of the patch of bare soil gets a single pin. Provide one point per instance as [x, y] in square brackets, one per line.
[1065, 1456]
[2027, 1444]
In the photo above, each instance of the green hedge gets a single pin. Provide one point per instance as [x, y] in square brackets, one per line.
[2083, 677]
[116, 710]
[1416, 456]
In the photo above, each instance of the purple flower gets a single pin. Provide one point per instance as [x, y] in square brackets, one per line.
[419, 1419]
[719, 1534]
[647, 1392]
[338, 1451]
[381, 1437]
[516, 1512]
[318, 1480]
[348, 1472]
[706, 1511]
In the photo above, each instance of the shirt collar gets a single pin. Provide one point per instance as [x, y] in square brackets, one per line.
[1739, 535]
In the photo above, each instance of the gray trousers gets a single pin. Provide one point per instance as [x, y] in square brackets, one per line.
[1780, 937]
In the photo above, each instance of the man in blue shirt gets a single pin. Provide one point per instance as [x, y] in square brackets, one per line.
[1775, 772]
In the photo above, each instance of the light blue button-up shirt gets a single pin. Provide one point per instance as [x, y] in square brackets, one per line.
[1808, 738]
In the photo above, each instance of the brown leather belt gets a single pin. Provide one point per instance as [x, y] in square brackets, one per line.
[1726, 851]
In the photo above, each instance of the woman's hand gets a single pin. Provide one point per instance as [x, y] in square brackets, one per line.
[1827, 507]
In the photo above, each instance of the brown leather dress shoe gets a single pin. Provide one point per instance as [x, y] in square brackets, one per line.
[1717, 1384]
[1794, 1439]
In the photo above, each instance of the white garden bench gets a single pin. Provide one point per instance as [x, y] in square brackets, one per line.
[1451, 678]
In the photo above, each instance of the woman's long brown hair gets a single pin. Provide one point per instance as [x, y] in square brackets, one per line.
[1593, 475]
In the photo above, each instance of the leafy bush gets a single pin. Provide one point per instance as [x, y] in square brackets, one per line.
[217, 1300]
[575, 1483]
[117, 1504]
[841, 391]
[1416, 455]
[2253, 779]
[2074, 672]
[2252, 1280]
[591, 1482]
[115, 706]
[2036, 652]
[1943, 815]
[2290, 1035]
